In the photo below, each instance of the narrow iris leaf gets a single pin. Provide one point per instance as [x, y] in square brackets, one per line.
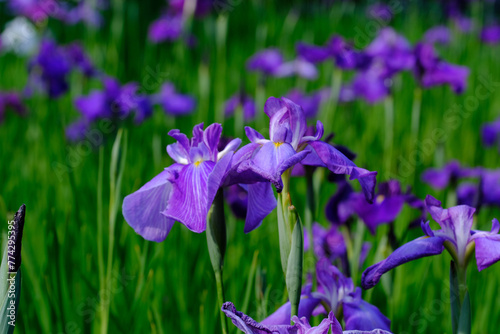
[295, 261]
[454, 297]
[464, 324]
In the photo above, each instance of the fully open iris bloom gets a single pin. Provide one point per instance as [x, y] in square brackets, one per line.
[50, 68]
[301, 325]
[184, 191]
[456, 235]
[288, 145]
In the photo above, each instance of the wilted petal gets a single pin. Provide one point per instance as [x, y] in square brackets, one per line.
[142, 209]
[416, 249]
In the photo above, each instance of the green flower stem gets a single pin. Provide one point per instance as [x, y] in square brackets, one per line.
[310, 218]
[216, 242]
[291, 237]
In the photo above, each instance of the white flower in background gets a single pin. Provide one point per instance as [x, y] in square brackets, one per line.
[20, 36]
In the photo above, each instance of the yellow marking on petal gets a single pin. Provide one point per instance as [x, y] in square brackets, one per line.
[278, 144]
[197, 163]
[380, 199]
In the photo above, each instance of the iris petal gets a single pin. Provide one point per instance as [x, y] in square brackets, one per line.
[261, 202]
[325, 155]
[141, 209]
[416, 249]
[188, 203]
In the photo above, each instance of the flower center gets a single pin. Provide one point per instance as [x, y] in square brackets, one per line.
[278, 144]
[197, 163]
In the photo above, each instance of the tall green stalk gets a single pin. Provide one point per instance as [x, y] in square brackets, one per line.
[115, 175]
[291, 238]
[216, 242]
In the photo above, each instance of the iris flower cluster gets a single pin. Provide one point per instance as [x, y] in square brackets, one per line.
[375, 66]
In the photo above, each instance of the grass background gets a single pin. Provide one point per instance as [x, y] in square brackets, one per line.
[169, 287]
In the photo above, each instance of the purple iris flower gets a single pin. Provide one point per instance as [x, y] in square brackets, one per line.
[266, 61]
[337, 292]
[115, 101]
[202, 8]
[77, 130]
[309, 103]
[432, 71]
[464, 24]
[327, 243]
[167, 28]
[491, 133]
[237, 198]
[346, 57]
[371, 85]
[184, 191]
[13, 101]
[247, 105]
[172, 102]
[300, 326]
[386, 207]
[338, 209]
[456, 234]
[270, 62]
[448, 175]
[83, 12]
[312, 53]
[300, 67]
[485, 192]
[49, 69]
[491, 34]
[438, 35]
[36, 10]
[393, 50]
[288, 145]
[80, 60]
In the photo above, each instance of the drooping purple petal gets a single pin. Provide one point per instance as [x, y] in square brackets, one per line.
[361, 315]
[325, 155]
[261, 202]
[142, 209]
[488, 247]
[416, 249]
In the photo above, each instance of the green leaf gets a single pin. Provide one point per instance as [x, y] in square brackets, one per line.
[10, 303]
[283, 234]
[454, 297]
[295, 263]
[464, 323]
